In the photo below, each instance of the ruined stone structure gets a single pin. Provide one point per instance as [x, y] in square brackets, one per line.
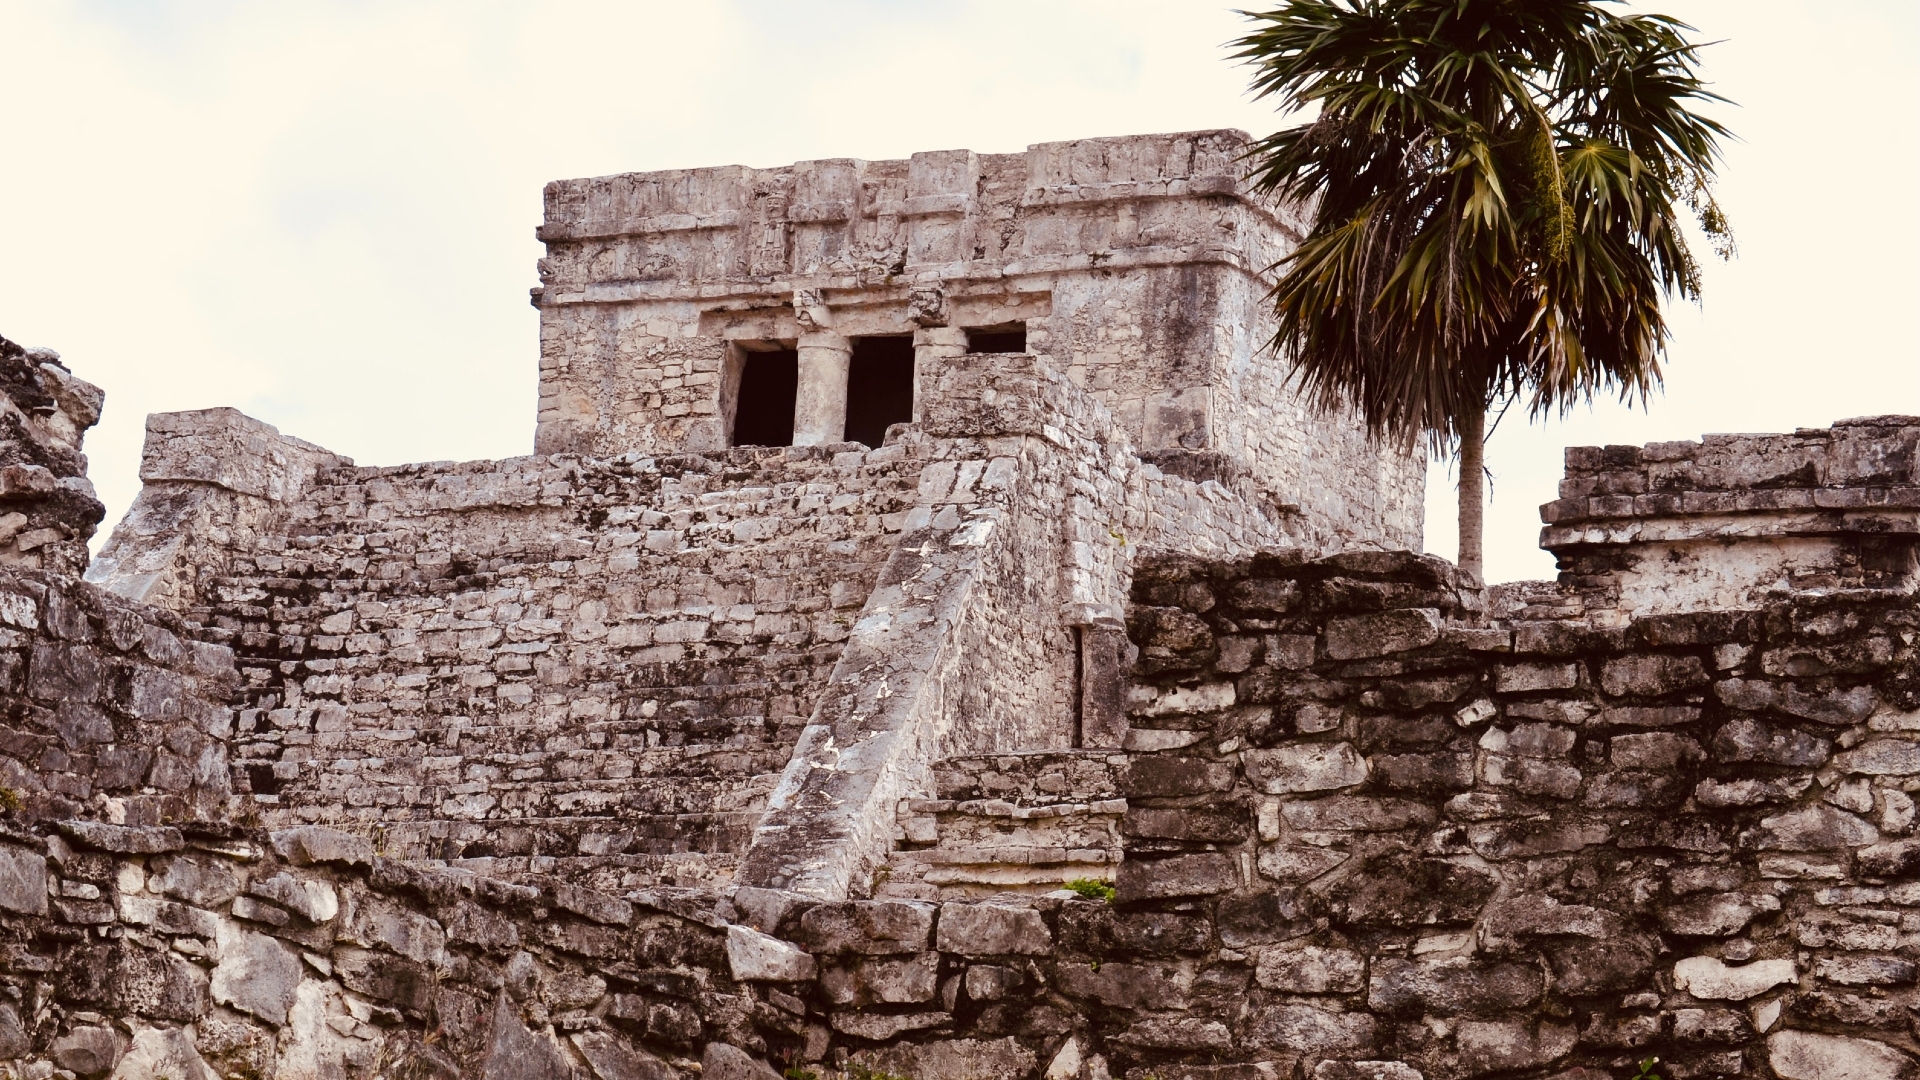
[904, 541]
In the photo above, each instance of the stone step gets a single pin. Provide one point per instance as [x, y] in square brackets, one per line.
[962, 848]
[505, 800]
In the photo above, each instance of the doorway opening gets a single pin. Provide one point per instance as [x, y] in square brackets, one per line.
[879, 388]
[763, 413]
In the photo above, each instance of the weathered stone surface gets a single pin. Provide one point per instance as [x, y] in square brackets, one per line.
[125, 839]
[1365, 1070]
[1311, 969]
[1712, 979]
[199, 880]
[310, 844]
[1652, 676]
[515, 1053]
[23, 880]
[257, 974]
[1359, 636]
[1358, 813]
[992, 930]
[1310, 1030]
[1181, 875]
[955, 1059]
[13, 1037]
[1811, 1055]
[1716, 916]
[163, 1051]
[1489, 1046]
[86, 1050]
[1310, 767]
[1453, 986]
[754, 956]
[1180, 1033]
[612, 1058]
[879, 1027]
[907, 980]
[989, 982]
[867, 926]
[160, 985]
[1816, 828]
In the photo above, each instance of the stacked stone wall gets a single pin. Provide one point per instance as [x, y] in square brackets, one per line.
[551, 658]
[1526, 849]
[108, 709]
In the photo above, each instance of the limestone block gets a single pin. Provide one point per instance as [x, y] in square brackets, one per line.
[160, 985]
[613, 1058]
[515, 1053]
[163, 1051]
[1178, 875]
[125, 839]
[1452, 986]
[384, 924]
[88, 1050]
[309, 844]
[1811, 1055]
[954, 1059]
[1710, 978]
[754, 956]
[257, 974]
[888, 980]
[1499, 1045]
[873, 927]
[1354, 637]
[1716, 915]
[23, 881]
[1311, 969]
[312, 900]
[992, 929]
[1816, 828]
[227, 448]
[14, 1043]
[1374, 1070]
[1305, 767]
[197, 879]
[880, 1027]
[1312, 1030]
[989, 982]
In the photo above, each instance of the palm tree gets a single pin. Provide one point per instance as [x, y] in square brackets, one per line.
[1498, 188]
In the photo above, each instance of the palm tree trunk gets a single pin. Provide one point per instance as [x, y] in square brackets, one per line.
[1473, 446]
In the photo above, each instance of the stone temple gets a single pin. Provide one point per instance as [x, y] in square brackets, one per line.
[903, 543]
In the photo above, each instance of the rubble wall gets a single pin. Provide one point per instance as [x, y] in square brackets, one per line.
[1363, 836]
[1396, 833]
[48, 509]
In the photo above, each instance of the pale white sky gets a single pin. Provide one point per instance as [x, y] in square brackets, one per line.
[323, 213]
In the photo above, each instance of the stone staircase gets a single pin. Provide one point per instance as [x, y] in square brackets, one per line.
[1009, 823]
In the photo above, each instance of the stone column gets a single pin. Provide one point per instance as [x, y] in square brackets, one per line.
[931, 345]
[1103, 668]
[820, 403]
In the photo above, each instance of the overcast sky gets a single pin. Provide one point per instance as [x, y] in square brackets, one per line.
[323, 213]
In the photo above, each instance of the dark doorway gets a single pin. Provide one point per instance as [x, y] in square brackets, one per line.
[879, 387]
[763, 415]
[997, 339]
